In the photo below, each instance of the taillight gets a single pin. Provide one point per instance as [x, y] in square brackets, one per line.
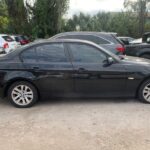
[5, 46]
[120, 48]
[23, 42]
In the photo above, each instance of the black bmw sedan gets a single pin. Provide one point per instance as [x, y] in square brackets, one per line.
[71, 68]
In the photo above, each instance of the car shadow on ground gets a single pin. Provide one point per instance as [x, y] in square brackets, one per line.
[57, 101]
[86, 100]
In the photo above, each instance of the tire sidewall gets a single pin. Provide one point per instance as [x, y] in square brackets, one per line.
[35, 94]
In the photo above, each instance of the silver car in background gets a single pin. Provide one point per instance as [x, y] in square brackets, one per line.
[108, 41]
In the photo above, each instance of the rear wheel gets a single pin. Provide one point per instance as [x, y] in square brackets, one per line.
[144, 92]
[147, 56]
[22, 94]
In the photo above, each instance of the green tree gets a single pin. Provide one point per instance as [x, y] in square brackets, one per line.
[18, 16]
[46, 16]
[140, 8]
[4, 21]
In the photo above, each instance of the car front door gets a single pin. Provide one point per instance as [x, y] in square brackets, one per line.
[91, 74]
[55, 69]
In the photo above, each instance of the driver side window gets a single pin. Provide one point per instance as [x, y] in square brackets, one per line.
[83, 53]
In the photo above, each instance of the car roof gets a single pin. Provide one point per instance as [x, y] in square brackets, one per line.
[42, 41]
[84, 32]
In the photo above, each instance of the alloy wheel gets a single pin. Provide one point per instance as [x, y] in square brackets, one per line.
[146, 93]
[22, 95]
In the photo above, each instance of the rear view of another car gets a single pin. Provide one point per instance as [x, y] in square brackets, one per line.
[107, 41]
[7, 43]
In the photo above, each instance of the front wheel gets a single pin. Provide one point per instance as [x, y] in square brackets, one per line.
[144, 92]
[22, 94]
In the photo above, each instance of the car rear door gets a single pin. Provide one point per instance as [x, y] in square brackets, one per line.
[94, 78]
[55, 69]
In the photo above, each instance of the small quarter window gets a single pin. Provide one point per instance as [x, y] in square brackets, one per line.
[29, 56]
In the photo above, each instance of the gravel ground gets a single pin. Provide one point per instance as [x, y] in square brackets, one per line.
[76, 124]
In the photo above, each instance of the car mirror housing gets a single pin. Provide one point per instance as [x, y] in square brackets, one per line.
[110, 60]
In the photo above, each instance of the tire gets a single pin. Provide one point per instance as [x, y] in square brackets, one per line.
[22, 94]
[144, 92]
[147, 56]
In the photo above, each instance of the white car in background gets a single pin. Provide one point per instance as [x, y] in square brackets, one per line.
[137, 41]
[7, 44]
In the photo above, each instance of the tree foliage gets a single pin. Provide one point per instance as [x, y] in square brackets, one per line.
[141, 9]
[17, 16]
[41, 19]
[46, 16]
[4, 21]
[123, 23]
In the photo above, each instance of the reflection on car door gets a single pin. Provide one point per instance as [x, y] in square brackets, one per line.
[92, 77]
[55, 69]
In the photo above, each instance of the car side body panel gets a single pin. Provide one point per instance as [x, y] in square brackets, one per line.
[120, 79]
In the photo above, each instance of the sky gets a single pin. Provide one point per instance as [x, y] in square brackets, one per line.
[93, 6]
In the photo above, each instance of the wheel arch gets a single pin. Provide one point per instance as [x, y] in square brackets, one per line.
[144, 80]
[12, 81]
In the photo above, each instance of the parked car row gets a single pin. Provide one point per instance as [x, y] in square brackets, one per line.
[11, 42]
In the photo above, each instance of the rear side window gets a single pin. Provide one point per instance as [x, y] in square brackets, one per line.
[29, 56]
[7, 38]
[91, 38]
[51, 53]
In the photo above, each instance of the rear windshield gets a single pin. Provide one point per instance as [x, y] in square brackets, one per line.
[111, 38]
[7, 38]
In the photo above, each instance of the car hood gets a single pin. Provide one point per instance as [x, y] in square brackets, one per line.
[136, 60]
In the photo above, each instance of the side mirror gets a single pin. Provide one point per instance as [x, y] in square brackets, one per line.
[110, 60]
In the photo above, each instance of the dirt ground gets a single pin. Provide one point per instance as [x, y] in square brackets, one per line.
[76, 124]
